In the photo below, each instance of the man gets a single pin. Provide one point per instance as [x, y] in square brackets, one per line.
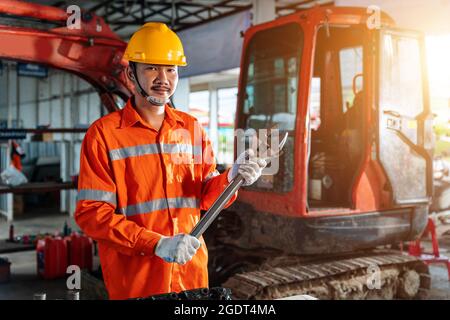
[146, 171]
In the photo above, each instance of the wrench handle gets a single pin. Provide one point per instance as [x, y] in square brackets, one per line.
[217, 206]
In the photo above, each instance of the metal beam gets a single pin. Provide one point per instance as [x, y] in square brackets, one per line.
[196, 14]
[59, 4]
[152, 13]
[100, 5]
[34, 187]
[301, 5]
[43, 130]
[122, 24]
[230, 13]
[205, 8]
[293, 6]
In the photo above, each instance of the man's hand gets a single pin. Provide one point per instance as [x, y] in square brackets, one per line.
[179, 248]
[249, 166]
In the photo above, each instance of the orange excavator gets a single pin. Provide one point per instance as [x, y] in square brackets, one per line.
[355, 178]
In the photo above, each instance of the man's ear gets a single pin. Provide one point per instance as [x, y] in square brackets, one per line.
[130, 73]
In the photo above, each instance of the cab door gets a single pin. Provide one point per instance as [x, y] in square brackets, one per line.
[405, 134]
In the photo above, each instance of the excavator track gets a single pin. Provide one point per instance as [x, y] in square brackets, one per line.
[378, 275]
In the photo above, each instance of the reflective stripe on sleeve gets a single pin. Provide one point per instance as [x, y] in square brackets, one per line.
[97, 195]
[160, 204]
[146, 149]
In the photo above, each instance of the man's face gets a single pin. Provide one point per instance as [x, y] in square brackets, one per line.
[159, 81]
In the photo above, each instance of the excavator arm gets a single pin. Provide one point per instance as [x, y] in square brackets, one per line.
[39, 34]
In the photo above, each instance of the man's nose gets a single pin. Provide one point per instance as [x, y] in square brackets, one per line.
[162, 76]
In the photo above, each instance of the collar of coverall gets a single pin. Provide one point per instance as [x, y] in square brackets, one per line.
[130, 116]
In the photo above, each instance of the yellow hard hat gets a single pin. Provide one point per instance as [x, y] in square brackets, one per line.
[155, 43]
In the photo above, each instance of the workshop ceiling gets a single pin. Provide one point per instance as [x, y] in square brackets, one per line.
[125, 15]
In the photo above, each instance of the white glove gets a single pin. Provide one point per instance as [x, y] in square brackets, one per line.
[179, 248]
[250, 168]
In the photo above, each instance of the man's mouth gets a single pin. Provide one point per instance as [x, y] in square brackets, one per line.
[161, 89]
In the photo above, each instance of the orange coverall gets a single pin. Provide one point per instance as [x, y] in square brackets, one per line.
[136, 184]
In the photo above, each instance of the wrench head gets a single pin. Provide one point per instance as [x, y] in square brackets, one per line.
[283, 142]
[272, 154]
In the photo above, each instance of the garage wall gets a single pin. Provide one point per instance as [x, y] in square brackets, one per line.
[61, 100]
[214, 46]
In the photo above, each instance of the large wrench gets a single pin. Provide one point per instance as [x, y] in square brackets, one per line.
[225, 196]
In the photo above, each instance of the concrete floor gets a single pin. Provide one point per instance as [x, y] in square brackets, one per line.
[25, 282]
[24, 279]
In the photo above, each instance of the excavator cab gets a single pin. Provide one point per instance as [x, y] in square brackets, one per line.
[368, 89]
[354, 101]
